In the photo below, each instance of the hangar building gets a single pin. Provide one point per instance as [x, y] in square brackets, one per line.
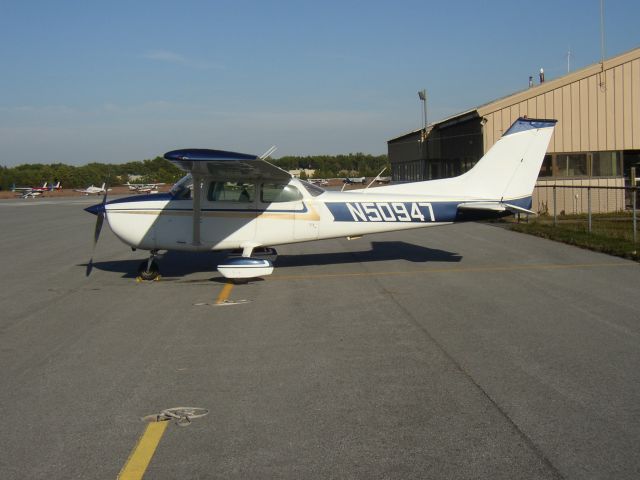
[596, 140]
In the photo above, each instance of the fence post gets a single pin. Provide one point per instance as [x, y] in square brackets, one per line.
[634, 192]
[555, 214]
[635, 223]
[589, 205]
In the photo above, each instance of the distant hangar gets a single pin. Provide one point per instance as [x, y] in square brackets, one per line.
[596, 140]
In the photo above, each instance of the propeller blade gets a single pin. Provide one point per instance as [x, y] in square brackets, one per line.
[96, 232]
[99, 211]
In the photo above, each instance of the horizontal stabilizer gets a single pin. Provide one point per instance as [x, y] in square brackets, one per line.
[494, 207]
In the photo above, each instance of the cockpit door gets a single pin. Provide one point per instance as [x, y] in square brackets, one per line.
[229, 213]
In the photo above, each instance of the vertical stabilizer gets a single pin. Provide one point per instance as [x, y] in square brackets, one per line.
[510, 168]
[508, 171]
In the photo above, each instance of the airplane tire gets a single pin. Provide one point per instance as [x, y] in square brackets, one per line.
[150, 274]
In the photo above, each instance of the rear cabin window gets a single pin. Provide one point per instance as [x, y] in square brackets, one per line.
[231, 192]
[276, 193]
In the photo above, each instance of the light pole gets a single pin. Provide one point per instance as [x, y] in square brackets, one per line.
[422, 95]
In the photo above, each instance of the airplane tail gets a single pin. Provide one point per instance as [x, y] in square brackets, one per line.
[506, 173]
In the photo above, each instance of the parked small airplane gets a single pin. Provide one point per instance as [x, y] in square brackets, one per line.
[32, 192]
[236, 201]
[93, 190]
[319, 181]
[144, 187]
[350, 180]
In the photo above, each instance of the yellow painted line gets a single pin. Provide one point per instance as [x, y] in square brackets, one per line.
[143, 452]
[224, 294]
[489, 268]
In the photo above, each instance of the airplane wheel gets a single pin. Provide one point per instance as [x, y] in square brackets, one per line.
[150, 274]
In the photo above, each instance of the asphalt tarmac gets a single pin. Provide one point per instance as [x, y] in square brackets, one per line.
[459, 352]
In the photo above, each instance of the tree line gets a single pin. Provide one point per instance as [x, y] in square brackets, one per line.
[332, 166]
[159, 170]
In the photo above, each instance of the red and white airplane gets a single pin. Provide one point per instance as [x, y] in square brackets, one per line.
[32, 192]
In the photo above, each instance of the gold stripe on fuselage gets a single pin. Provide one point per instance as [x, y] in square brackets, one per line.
[310, 215]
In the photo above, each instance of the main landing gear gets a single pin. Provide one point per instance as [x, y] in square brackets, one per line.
[148, 270]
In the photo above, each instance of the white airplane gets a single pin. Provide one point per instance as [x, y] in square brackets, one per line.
[319, 181]
[144, 187]
[236, 201]
[351, 180]
[94, 190]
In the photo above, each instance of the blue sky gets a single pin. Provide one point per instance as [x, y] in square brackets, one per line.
[119, 81]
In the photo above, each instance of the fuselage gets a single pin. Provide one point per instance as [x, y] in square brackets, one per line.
[270, 214]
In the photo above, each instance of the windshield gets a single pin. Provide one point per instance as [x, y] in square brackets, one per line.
[314, 190]
[182, 188]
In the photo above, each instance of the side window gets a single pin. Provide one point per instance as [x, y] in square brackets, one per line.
[276, 192]
[231, 192]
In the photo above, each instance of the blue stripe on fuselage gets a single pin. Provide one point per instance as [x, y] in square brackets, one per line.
[410, 212]
[400, 212]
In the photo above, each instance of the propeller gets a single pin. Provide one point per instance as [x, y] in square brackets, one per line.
[99, 211]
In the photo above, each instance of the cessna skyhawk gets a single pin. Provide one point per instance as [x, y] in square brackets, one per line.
[237, 201]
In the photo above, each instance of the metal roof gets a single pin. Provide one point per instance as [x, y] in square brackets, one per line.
[534, 91]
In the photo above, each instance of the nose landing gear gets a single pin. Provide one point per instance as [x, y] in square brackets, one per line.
[149, 270]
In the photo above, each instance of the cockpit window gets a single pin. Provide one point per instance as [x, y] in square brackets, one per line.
[278, 192]
[181, 190]
[231, 192]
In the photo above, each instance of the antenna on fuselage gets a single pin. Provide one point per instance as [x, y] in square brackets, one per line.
[376, 177]
[268, 153]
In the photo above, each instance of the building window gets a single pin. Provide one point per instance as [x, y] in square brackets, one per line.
[607, 164]
[574, 165]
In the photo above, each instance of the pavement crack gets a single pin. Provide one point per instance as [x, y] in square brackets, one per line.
[458, 366]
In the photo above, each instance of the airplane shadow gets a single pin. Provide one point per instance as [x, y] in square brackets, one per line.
[180, 264]
[379, 252]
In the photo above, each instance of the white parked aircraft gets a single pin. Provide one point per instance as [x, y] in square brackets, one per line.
[94, 190]
[144, 187]
[237, 201]
[351, 180]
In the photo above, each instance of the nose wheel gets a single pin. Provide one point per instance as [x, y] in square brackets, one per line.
[149, 270]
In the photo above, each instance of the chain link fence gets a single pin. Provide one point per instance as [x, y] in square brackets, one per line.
[602, 206]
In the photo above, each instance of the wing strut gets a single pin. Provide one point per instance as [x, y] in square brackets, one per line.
[197, 193]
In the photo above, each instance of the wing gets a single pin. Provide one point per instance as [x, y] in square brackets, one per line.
[221, 165]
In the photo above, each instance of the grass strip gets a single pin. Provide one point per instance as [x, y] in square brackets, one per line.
[607, 237]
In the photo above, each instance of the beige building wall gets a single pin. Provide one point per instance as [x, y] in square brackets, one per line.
[597, 108]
